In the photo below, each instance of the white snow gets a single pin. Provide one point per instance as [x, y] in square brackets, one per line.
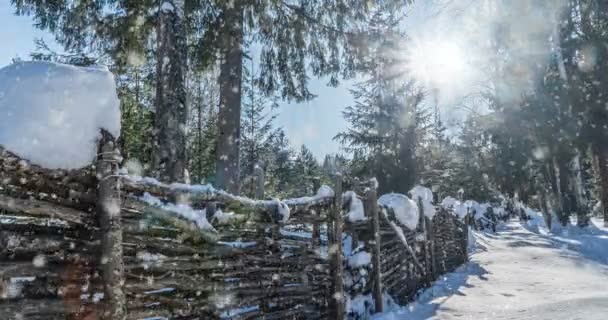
[208, 189]
[471, 204]
[518, 274]
[181, 210]
[39, 261]
[449, 202]
[481, 209]
[325, 191]
[460, 209]
[163, 290]
[406, 210]
[426, 197]
[283, 211]
[374, 183]
[359, 259]
[356, 212]
[167, 6]
[363, 306]
[235, 312]
[51, 114]
[222, 217]
[146, 256]
[238, 244]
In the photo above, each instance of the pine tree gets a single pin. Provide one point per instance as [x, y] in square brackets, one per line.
[257, 130]
[202, 134]
[136, 117]
[281, 167]
[295, 40]
[305, 169]
[387, 116]
[171, 110]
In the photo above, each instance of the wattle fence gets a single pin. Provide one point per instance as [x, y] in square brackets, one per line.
[94, 244]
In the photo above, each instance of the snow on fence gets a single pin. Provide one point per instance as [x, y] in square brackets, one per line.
[406, 255]
[94, 243]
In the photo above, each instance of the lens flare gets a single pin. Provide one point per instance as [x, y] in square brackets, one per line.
[436, 63]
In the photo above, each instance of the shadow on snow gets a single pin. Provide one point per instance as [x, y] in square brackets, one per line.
[430, 299]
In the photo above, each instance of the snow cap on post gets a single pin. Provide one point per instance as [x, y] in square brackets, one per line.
[51, 114]
[426, 198]
[325, 191]
[448, 202]
[356, 212]
[406, 210]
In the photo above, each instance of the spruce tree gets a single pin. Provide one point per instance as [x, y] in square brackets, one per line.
[387, 116]
[257, 130]
[305, 169]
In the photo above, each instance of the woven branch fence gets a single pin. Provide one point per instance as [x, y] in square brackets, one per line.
[82, 244]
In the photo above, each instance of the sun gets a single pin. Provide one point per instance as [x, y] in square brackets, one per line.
[436, 63]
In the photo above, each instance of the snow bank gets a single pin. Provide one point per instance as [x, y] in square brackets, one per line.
[181, 210]
[480, 209]
[426, 197]
[356, 211]
[536, 221]
[406, 210]
[363, 306]
[51, 114]
[359, 259]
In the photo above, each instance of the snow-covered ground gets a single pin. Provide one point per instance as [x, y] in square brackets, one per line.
[520, 274]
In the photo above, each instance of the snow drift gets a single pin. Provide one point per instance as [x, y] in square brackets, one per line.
[51, 114]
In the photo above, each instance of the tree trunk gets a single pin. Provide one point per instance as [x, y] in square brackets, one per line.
[169, 156]
[108, 214]
[543, 206]
[602, 160]
[558, 176]
[229, 121]
[566, 190]
[579, 191]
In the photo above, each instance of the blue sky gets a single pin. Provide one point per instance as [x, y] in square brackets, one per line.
[312, 123]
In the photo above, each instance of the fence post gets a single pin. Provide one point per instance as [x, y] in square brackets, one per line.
[431, 238]
[316, 230]
[427, 257]
[259, 181]
[336, 251]
[372, 199]
[108, 214]
[428, 227]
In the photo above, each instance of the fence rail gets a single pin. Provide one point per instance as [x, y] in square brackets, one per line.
[85, 244]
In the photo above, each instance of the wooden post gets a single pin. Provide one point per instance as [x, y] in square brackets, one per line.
[372, 199]
[108, 214]
[423, 225]
[428, 228]
[336, 251]
[316, 230]
[431, 238]
[259, 181]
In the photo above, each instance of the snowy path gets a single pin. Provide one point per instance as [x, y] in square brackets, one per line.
[518, 274]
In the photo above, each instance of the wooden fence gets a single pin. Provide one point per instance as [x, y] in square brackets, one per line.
[407, 260]
[84, 245]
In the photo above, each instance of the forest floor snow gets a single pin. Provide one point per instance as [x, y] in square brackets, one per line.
[520, 274]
